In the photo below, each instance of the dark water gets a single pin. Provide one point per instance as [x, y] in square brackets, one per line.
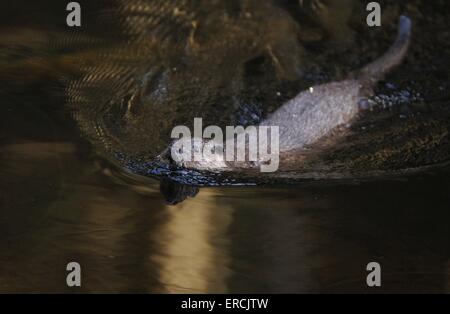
[62, 200]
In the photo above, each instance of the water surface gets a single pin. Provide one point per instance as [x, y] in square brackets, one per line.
[63, 200]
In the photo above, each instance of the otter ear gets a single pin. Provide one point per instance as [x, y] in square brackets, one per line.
[175, 193]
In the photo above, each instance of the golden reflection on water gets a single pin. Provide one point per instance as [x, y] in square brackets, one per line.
[195, 257]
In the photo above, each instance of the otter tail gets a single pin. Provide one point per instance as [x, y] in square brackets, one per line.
[376, 70]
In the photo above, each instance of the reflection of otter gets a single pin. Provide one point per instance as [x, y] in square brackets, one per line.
[175, 193]
[314, 114]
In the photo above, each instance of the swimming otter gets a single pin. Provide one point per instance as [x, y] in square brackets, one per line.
[317, 112]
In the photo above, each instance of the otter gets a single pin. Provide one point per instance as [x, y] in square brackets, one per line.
[316, 113]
